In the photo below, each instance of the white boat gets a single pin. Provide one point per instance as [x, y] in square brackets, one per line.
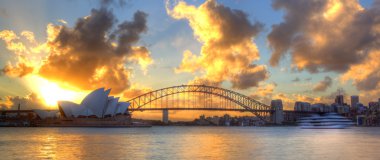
[327, 121]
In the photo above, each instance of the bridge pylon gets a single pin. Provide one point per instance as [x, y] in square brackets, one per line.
[277, 115]
[165, 116]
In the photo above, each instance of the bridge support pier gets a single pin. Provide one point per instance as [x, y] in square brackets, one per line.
[165, 116]
[277, 115]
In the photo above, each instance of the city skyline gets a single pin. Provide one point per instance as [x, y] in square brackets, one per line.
[259, 48]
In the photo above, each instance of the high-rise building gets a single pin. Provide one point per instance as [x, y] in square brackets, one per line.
[361, 108]
[354, 101]
[374, 106]
[339, 99]
[297, 106]
[320, 107]
[302, 106]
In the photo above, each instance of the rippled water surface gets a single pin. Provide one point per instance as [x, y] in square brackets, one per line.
[189, 143]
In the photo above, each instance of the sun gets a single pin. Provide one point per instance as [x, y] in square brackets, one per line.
[51, 92]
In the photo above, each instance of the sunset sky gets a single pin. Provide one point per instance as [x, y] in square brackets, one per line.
[294, 50]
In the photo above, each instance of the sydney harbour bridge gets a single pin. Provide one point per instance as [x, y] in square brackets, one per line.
[203, 98]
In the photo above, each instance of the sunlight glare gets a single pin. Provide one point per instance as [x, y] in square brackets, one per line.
[51, 92]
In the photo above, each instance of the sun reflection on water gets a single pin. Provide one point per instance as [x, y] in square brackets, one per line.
[189, 143]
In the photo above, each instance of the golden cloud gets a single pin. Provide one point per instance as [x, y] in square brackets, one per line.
[326, 35]
[265, 90]
[228, 49]
[92, 54]
[20, 70]
[365, 75]
[134, 91]
[11, 42]
[266, 93]
[31, 101]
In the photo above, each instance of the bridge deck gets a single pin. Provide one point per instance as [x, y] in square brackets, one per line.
[199, 109]
[183, 108]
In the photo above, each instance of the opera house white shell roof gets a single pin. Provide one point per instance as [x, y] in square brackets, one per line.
[97, 103]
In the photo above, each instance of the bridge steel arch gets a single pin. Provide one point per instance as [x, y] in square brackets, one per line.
[246, 103]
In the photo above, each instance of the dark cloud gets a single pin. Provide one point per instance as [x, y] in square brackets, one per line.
[250, 77]
[324, 35]
[128, 33]
[370, 83]
[296, 79]
[323, 85]
[92, 54]
[106, 3]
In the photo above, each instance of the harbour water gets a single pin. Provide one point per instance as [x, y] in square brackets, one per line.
[189, 143]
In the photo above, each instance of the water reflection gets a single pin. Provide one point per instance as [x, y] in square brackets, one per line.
[48, 147]
[188, 143]
[52, 143]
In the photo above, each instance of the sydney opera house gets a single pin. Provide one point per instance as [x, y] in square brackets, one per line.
[95, 105]
[96, 109]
